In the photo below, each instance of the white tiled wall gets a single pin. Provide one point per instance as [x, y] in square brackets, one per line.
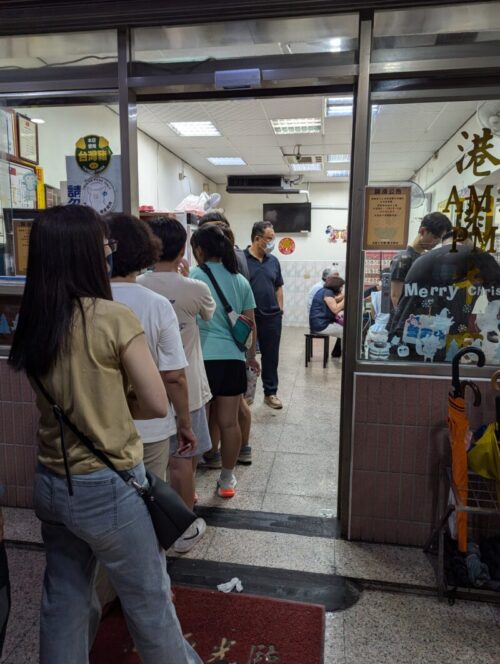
[299, 277]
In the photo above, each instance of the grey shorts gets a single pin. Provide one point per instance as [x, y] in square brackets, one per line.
[200, 429]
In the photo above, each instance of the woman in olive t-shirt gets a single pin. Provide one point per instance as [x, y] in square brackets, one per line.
[87, 350]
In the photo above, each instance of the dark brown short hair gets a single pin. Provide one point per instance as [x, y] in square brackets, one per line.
[138, 247]
[213, 216]
[225, 229]
[334, 283]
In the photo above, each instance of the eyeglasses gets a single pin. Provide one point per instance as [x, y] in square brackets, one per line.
[112, 244]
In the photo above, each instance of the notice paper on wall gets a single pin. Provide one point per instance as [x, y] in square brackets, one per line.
[103, 191]
[387, 216]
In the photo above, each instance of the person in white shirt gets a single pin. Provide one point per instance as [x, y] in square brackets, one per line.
[137, 249]
[190, 298]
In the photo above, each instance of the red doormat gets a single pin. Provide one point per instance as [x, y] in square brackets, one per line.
[228, 628]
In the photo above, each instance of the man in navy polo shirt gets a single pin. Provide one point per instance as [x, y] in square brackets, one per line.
[267, 286]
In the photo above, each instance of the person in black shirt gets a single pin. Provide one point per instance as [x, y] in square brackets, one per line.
[432, 229]
[267, 286]
[440, 293]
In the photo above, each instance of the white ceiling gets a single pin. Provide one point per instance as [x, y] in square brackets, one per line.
[404, 137]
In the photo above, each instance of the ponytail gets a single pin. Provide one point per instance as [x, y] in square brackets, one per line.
[214, 244]
[229, 258]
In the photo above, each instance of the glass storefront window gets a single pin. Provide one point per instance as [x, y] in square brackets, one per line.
[237, 39]
[431, 270]
[443, 33]
[49, 155]
[57, 50]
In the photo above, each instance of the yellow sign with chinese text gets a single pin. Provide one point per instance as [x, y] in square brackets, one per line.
[93, 154]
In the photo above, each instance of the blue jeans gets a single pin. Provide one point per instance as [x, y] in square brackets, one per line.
[105, 521]
[269, 337]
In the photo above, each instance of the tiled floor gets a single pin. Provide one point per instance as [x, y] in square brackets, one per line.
[295, 471]
[387, 628]
[295, 449]
[382, 628]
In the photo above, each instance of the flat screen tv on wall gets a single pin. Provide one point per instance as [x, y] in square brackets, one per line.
[288, 217]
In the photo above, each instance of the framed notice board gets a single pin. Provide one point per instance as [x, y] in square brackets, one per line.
[387, 217]
[27, 139]
[18, 223]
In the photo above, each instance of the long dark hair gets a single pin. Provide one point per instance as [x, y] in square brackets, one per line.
[65, 262]
[214, 244]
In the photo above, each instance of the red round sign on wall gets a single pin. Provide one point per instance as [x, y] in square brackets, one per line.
[286, 246]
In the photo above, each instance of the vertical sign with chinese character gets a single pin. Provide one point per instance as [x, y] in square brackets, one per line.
[94, 175]
[473, 210]
[387, 216]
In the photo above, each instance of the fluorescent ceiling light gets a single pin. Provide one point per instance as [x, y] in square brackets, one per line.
[338, 174]
[338, 106]
[338, 111]
[227, 161]
[194, 128]
[335, 44]
[306, 167]
[344, 101]
[38, 120]
[339, 158]
[297, 126]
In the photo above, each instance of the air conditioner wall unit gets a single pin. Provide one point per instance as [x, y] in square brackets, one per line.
[259, 184]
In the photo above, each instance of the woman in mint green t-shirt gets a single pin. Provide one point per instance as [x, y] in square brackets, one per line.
[225, 363]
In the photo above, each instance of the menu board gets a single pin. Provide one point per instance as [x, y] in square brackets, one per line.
[387, 216]
[375, 263]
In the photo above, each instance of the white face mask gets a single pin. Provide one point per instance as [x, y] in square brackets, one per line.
[270, 246]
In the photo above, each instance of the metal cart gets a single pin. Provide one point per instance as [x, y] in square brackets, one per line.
[474, 499]
[482, 503]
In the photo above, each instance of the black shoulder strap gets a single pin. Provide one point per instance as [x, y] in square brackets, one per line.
[62, 418]
[218, 290]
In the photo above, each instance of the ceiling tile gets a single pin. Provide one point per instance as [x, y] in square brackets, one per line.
[403, 138]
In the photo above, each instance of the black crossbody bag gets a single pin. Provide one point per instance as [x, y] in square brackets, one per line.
[169, 514]
[240, 326]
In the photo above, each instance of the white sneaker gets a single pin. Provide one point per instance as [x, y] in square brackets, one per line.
[227, 489]
[192, 535]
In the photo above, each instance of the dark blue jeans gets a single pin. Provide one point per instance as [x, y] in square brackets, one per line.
[269, 336]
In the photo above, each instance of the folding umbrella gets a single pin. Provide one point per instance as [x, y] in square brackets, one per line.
[458, 425]
[484, 457]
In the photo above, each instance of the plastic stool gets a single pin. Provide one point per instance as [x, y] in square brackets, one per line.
[309, 347]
